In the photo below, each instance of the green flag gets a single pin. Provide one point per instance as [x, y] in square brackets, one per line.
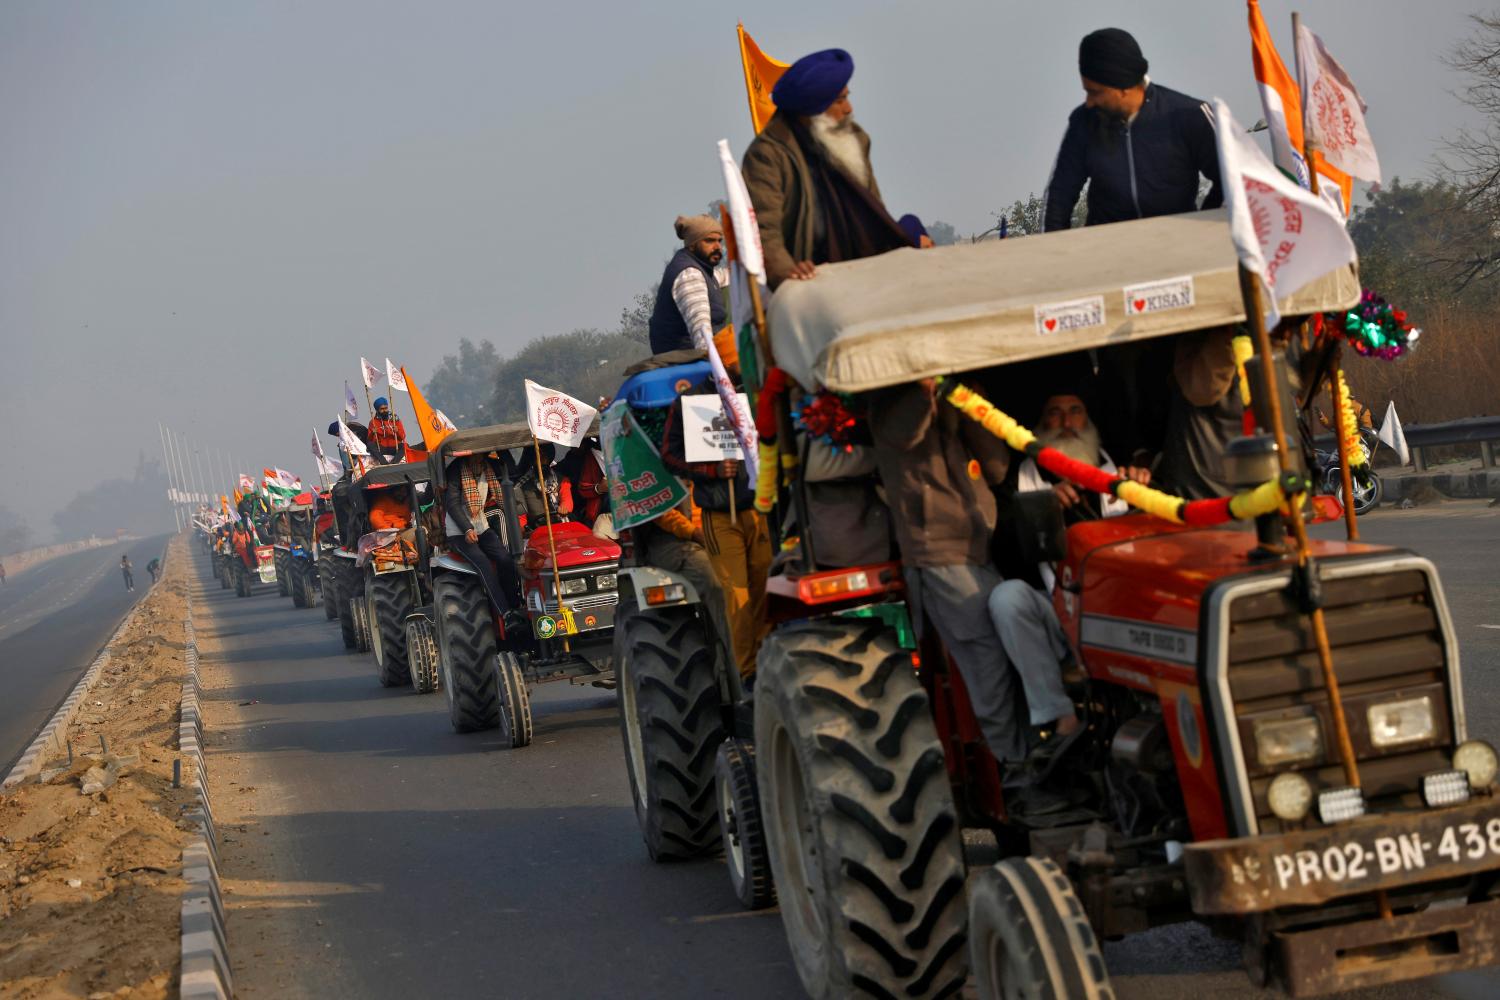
[640, 487]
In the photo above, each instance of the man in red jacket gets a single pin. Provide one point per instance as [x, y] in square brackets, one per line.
[386, 433]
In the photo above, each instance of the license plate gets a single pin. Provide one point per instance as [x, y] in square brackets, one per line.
[1356, 860]
[1309, 867]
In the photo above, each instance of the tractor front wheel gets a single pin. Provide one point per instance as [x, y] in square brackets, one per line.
[466, 651]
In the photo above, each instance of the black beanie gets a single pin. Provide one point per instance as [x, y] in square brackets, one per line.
[1111, 56]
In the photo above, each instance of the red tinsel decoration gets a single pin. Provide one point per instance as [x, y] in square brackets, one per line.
[824, 416]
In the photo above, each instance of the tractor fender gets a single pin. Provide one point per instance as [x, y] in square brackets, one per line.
[641, 577]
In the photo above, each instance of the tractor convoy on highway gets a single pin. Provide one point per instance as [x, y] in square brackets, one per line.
[1271, 730]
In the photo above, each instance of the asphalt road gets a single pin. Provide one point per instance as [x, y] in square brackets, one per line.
[425, 863]
[54, 618]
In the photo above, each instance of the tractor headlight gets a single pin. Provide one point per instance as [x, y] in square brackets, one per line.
[1477, 759]
[1393, 723]
[575, 585]
[606, 581]
[1290, 797]
[1288, 741]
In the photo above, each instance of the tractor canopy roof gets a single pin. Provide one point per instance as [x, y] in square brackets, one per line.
[381, 476]
[656, 388]
[909, 314]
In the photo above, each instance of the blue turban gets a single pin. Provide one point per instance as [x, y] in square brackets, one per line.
[913, 228]
[813, 82]
[381, 401]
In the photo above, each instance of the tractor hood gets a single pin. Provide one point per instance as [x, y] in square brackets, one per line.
[576, 547]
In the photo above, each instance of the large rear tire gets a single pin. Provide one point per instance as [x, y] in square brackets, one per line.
[221, 570]
[740, 825]
[301, 583]
[242, 584]
[515, 701]
[361, 609]
[328, 586]
[283, 573]
[466, 651]
[1029, 938]
[346, 578]
[860, 822]
[422, 654]
[672, 724]
[387, 603]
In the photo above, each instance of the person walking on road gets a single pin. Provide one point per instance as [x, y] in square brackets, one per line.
[125, 568]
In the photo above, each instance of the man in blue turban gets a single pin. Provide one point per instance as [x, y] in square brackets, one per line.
[809, 175]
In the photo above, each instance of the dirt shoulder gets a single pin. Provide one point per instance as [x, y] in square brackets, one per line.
[90, 882]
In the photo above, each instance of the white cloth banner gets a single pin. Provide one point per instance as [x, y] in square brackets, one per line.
[557, 417]
[707, 434]
[1391, 434]
[350, 406]
[352, 444]
[394, 376]
[1283, 233]
[369, 372]
[1335, 111]
[741, 213]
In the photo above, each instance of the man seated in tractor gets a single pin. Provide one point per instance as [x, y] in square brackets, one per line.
[472, 497]
[1022, 613]
[559, 489]
[938, 469]
[390, 510]
[1205, 413]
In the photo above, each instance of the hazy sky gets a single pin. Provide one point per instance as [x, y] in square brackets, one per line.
[211, 210]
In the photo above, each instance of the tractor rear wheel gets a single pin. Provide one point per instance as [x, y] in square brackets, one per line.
[1029, 936]
[361, 610]
[466, 651]
[515, 701]
[283, 573]
[221, 570]
[346, 579]
[863, 835]
[740, 825]
[387, 603]
[242, 582]
[672, 724]
[421, 654]
[328, 587]
[301, 583]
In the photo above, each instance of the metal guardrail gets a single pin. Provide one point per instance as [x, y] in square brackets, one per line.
[1484, 431]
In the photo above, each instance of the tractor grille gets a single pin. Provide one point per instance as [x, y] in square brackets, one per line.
[1388, 644]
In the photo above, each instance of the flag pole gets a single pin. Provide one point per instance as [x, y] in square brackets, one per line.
[541, 487]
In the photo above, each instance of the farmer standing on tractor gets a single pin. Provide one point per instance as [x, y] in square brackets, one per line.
[688, 300]
[1139, 146]
[386, 433]
[810, 178]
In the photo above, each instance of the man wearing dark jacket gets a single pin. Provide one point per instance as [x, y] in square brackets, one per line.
[1139, 146]
[689, 305]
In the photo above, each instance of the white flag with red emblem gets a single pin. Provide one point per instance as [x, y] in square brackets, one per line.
[1283, 233]
[352, 444]
[350, 406]
[394, 376]
[557, 417]
[370, 373]
[1335, 111]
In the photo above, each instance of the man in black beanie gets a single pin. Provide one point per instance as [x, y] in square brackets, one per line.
[1140, 146]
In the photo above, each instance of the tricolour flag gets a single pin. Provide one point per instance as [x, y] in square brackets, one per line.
[433, 428]
[1335, 111]
[557, 417]
[1391, 434]
[761, 74]
[350, 406]
[1282, 101]
[394, 376]
[369, 372]
[1283, 233]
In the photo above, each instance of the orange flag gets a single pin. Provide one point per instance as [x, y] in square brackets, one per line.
[761, 74]
[433, 429]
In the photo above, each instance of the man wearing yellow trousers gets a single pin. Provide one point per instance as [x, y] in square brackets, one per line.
[734, 534]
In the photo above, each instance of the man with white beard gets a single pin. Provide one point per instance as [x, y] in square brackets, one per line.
[1023, 615]
[809, 175]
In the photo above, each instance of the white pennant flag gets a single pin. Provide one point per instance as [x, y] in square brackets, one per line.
[317, 445]
[1335, 111]
[369, 372]
[352, 444]
[741, 213]
[1283, 233]
[443, 421]
[1391, 434]
[394, 377]
[556, 416]
[328, 467]
[350, 406]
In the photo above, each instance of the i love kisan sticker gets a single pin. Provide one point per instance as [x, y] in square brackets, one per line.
[1159, 296]
[1064, 317]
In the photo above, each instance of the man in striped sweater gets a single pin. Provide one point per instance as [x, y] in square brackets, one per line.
[689, 304]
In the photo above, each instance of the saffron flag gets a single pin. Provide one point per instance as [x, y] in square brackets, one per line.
[394, 376]
[433, 428]
[1284, 234]
[370, 373]
[1335, 111]
[761, 74]
[1391, 434]
[1281, 99]
[557, 417]
[350, 406]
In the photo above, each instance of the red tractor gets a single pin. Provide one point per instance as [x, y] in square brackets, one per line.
[487, 671]
[1274, 737]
